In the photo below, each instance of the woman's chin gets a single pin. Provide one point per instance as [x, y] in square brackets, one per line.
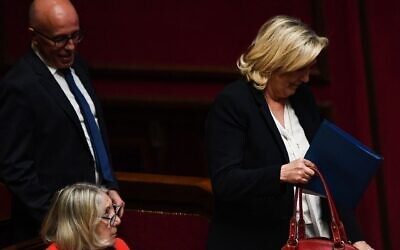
[111, 240]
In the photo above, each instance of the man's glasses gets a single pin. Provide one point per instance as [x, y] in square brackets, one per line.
[113, 218]
[62, 40]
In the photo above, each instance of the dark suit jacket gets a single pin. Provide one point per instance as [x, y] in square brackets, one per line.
[246, 152]
[42, 144]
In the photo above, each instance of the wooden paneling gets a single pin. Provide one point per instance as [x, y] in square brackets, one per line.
[156, 137]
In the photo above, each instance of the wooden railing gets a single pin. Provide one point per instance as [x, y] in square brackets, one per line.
[166, 192]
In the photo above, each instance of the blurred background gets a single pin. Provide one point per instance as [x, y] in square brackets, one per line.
[158, 65]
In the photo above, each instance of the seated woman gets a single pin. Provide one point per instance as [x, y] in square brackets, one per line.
[82, 216]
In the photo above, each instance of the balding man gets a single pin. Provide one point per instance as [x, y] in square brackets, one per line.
[51, 123]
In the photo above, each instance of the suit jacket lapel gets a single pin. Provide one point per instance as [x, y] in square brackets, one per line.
[264, 109]
[304, 115]
[55, 91]
[81, 73]
[85, 81]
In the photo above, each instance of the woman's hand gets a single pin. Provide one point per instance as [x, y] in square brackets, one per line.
[116, 199]
[362, 245]
[297, 171]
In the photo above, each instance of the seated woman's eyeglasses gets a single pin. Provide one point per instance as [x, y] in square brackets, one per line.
[62, 40]
[113, 218]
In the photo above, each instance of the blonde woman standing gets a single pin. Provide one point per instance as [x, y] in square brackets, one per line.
[257, 132]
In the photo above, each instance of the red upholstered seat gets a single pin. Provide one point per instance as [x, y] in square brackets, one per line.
[5, 208]
[155, 230]
[5, 213]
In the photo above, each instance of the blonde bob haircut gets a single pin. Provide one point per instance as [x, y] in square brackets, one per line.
[283, 44]
[74, 214]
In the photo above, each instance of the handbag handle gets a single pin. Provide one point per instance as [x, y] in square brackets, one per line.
[337, 228]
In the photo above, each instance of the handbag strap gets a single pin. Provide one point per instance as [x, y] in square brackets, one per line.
[301, 225]
[337, 228]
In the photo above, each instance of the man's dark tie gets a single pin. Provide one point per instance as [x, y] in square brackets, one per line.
[93, 130]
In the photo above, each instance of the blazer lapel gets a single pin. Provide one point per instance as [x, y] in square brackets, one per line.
[264, 109]
[55, 91]
[304, 115]
[85, 81]
[81, 73]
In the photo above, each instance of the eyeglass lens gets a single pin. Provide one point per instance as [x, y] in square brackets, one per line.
[113, 218]
[117, 209]
[61, 41]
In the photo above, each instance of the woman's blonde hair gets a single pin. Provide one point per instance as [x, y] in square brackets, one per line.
[75, 212]
[283, 44]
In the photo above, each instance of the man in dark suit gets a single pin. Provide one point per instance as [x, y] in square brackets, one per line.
[45, 140]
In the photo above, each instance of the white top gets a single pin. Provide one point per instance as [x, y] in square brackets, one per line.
[58, 76]
[296, 145]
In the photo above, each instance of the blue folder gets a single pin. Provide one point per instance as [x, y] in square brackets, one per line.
[346, 164]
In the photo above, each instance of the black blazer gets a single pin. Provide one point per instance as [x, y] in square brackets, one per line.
[42, 144]
[245, 152]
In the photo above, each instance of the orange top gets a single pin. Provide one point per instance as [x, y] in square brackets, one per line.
[118, 245]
